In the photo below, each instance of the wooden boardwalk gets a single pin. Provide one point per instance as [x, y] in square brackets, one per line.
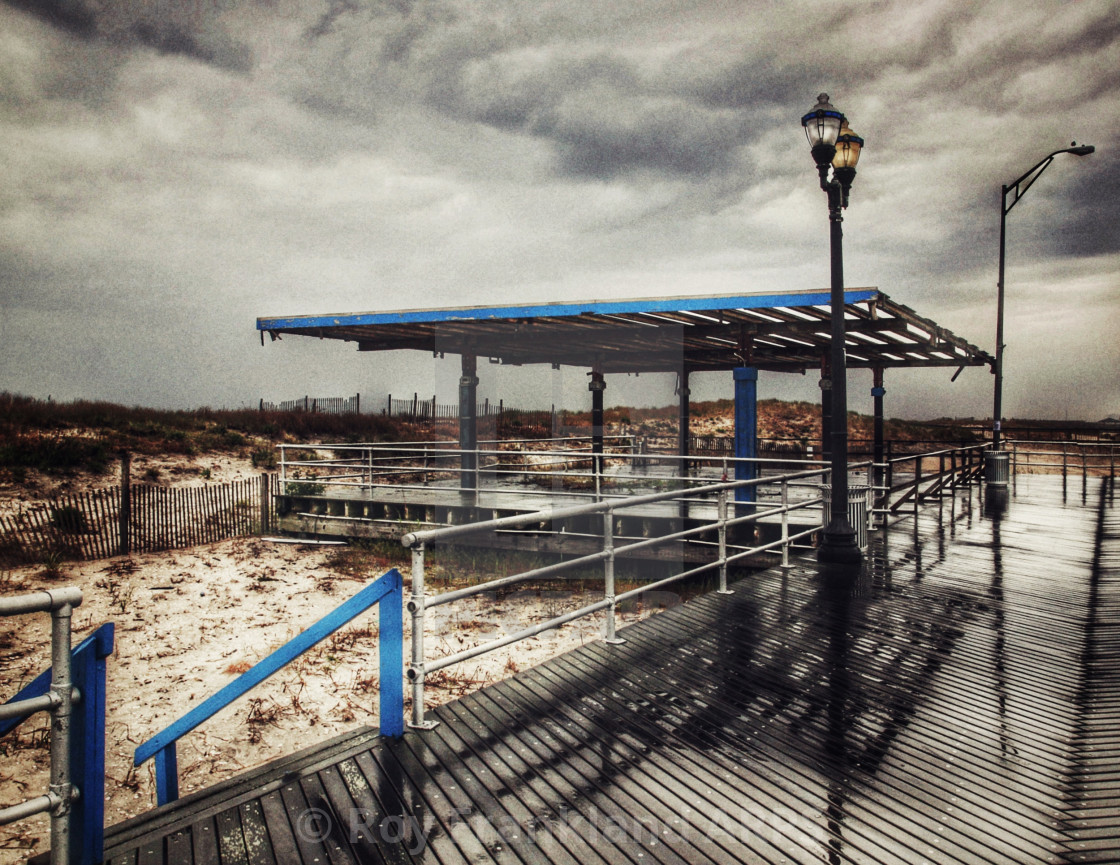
[959, 701]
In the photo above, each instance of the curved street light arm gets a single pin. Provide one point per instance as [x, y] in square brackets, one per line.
[1024, 183]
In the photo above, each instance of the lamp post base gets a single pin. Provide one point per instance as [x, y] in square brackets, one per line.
[838, 545]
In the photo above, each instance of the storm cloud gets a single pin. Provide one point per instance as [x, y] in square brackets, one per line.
[174, 169]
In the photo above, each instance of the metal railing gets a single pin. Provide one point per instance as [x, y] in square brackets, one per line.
[569, 469]
[73, 692]
[931, 474]
[1084, 458]
[386, 592]
[727, 516]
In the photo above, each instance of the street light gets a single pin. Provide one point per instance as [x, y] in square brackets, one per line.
[996, 466]
[834, 146]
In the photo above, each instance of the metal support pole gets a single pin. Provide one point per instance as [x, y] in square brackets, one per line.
[826, 407]
[746, 430]
[721, 517]
[1017, 189]
[997, 403]
[877, 393]
[838, 544]
[468, 429]
[683, 422]
[597, 385]
[416, 666]
[608, 575]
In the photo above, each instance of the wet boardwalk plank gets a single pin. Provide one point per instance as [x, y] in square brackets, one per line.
[958, 701]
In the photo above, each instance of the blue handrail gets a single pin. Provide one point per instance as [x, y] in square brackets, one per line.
[87, 741]
[386, 591]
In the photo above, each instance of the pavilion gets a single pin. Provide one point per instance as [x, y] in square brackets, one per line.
[741, 333]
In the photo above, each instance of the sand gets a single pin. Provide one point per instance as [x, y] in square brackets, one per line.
[188, 621]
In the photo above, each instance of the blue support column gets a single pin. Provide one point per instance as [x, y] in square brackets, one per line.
[746, 428]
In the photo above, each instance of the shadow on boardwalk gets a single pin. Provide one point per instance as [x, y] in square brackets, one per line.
[957, 701]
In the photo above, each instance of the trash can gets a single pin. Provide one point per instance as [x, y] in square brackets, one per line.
[859, 506]
[997, 468]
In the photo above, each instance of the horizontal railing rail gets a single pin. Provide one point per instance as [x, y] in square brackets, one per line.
[347, 470]
[954, 466]
[386, 592]
[1085, 458]
[419, 541]
[72, 690]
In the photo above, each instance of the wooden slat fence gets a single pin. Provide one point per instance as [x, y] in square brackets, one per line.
[317, 404]
[494, 418]
[88, 525]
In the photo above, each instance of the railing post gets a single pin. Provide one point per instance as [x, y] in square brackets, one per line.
[917, 481]
[390, 651]
[416, 669]
[889, 474]
[62, 687]
[87, 746]
[721, 517]
[608, 574]
[785, 524]
[166, 763]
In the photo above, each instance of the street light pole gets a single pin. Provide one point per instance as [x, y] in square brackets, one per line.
[834, 146]
[995, 473]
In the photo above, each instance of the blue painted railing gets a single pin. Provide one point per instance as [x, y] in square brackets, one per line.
[386, 592]
[87, 741]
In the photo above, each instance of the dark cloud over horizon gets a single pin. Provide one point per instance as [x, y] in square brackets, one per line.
[177, 168]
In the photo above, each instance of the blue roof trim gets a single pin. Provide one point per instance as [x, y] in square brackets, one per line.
[671, 304]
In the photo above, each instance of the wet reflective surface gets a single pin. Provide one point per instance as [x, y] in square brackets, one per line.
[956, 699]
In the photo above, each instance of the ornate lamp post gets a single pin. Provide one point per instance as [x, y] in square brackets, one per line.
[996, 465]
[834, 146]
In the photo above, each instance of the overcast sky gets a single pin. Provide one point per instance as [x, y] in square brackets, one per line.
[172, 169]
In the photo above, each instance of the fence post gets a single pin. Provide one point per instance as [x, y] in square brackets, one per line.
[126, 503]
[265, 504]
